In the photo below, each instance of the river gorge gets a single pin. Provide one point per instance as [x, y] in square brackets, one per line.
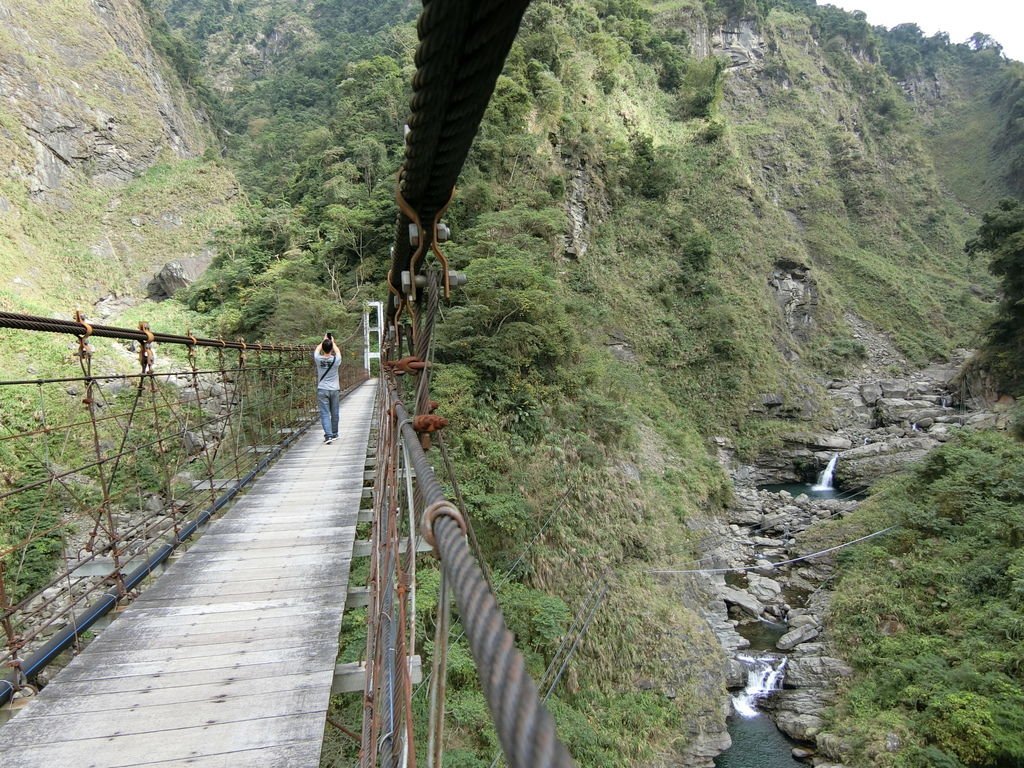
[768, 606]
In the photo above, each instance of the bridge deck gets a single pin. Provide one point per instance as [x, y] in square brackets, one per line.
[227, 660]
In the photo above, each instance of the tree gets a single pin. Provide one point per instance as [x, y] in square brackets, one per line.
[979, 41]
[1001, 235]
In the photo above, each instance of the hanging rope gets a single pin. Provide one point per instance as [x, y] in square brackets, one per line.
[792, 560]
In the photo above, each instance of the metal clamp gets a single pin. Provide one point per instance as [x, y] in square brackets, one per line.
[442, 230]
[454, 279]
[436, 510]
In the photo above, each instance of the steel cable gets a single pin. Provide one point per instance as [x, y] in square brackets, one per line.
[525, 728]
[54, 325]
[462, 50]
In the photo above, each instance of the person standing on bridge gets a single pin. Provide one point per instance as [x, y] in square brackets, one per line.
[328, 388]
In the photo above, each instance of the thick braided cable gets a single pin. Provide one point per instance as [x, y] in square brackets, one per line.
[462, 49]
[75, 328]
[525, 728]
[524, 725]
[487, 46]
[441, 28]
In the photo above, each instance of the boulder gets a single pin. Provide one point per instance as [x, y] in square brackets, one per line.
[178, 274]
[192, 443]
[894, 389]
[863, 465]
[919, 415]
[798, 715]
[833, 746]
[796, 636]
[735, 675]
[743, 516]
[764, 589]
[819, 441]
[802, 621]
[870, 393]
[815, 672]
[169, 280]
[744, 600]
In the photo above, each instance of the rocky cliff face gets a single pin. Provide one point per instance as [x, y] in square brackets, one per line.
[84, 91]
[100, 183]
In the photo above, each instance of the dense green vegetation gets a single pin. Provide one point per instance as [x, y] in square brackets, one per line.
[932, 614]
[1001, 235]
[581, 383]
[692, 188]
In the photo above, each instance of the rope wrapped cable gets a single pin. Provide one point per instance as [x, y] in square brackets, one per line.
[463, 46]
[75, 328]
[524, 725]
[466, 82]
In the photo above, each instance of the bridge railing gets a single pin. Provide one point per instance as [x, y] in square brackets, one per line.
[116, 454]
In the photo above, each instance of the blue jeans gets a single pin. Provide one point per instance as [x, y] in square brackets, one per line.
[329, 401]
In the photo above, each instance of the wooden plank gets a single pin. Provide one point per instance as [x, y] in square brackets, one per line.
[212, 555]
[266, 543]
[209, 638]
[239, 693]
[256, 576]
[160, 620]
[361, 548]
[295, 754]
[358, 597]
[286, 488]
[214, 659]
[351, 677]
[217, 571]
[326, 595]
[265, 674]
[181, 744]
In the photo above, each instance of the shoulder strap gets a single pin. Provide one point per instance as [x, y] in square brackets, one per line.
[329, 369]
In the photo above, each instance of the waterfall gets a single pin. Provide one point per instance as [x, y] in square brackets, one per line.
[763, 677]
[825, 478]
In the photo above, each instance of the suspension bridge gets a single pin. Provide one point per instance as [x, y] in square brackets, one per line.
[179, 543]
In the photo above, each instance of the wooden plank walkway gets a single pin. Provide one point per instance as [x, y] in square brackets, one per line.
[228, 659]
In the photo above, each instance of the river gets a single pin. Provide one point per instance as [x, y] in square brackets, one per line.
[757, 743]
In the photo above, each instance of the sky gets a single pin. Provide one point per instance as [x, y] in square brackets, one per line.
[1002, 20]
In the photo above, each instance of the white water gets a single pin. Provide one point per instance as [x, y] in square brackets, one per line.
[764, 675]
[825, 478]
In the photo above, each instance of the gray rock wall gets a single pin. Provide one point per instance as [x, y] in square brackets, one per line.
[83, 90]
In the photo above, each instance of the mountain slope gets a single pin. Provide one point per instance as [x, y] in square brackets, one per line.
[672, 217]
[104, 179]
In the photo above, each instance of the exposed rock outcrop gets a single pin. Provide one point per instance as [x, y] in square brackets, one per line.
[176, 275]
[90, 94]
[796, 293]
[739, 39]
[865, 464]
[101, 149]
[578, 206]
